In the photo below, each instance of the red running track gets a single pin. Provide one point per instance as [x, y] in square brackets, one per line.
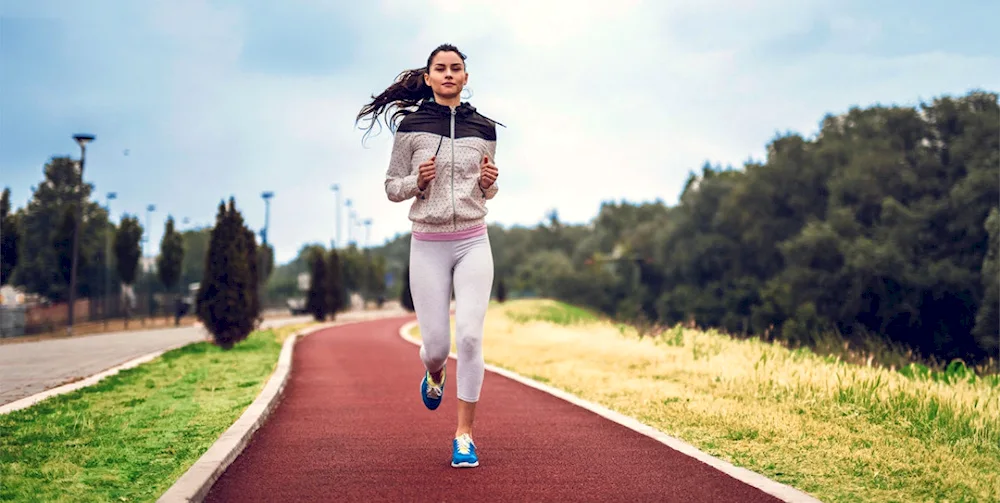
[351, 427]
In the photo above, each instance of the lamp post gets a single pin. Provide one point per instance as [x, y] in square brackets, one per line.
[349, 221]
[145, 264]
[266, 196]
[261, 264]
[368, 232]
[336, 189]
[82, 140]
[107, 257]
[351, 224]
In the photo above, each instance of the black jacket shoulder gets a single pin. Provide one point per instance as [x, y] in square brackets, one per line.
[433, 118]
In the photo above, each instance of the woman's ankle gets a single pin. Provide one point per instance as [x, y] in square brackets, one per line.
[436, 376]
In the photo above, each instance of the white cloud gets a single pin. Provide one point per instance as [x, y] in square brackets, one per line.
[604, 101]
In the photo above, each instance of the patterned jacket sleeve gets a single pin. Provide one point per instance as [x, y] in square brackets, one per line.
[401, 177]
[493, 189]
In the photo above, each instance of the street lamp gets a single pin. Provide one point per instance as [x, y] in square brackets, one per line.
[149, 233]
[145, 261]
[350, 227]
[336, 189]
[349, 222]
[267, 215]
[261, 264]
[368, 232]
[107, 256]
[82, 140]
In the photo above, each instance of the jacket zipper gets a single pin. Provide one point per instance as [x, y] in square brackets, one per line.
[454, 210]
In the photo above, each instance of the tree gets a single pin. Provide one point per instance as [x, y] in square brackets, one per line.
[266, 253]
[375, 276]
[195, 250]
[127, 251]
[168, 264]
[987, 329]
[250, 251]
[9, 233]
[227, 301]
[406, 298]
[501, 291]
[336, 294]
[318, 295]
[45, 240]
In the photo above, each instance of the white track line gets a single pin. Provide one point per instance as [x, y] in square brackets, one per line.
[778, 490]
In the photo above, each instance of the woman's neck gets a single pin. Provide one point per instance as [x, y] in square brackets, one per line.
[448, 102]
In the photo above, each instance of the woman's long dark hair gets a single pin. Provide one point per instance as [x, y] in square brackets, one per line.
[406, 93]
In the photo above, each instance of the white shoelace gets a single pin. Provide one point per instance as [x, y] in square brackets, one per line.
[464, 444]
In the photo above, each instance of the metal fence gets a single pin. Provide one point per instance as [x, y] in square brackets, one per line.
[19, 320]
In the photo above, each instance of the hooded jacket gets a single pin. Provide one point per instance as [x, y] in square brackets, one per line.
[460, 138]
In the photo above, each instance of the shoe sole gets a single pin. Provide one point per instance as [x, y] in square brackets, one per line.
[465, 465]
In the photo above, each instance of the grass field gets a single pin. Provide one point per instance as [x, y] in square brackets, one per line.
[838, 431]
[129, 437]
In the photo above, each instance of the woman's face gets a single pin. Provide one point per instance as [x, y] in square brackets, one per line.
[446, 75]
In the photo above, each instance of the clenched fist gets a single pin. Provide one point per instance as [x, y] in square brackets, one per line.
[427, 172]
[487, 173]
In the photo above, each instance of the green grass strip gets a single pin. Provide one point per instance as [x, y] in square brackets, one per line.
[130, 436]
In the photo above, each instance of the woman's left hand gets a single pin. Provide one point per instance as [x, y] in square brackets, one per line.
[487, 173]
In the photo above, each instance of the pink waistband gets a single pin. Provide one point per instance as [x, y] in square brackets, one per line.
[472, 232]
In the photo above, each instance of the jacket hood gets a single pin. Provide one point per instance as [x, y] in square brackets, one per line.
[465, 109]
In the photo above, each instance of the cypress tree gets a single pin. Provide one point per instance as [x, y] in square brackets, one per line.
[227, 295]
[316, 298]
[251, 252]
[336, 293]
[501, 291]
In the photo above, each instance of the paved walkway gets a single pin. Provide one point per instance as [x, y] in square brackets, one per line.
[351, 427]
[32, 367]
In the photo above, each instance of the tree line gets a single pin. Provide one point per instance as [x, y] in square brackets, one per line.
[225, 260]
[881, 232]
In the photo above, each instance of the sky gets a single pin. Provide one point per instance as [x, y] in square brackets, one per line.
[603, 101]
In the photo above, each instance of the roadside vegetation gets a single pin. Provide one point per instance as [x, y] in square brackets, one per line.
[837, 430]
[130, 436]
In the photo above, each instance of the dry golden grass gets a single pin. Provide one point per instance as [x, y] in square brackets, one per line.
[840, 432]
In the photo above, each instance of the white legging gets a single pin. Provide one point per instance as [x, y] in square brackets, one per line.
[434, 267]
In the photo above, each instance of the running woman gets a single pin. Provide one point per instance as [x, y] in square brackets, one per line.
[442, 158]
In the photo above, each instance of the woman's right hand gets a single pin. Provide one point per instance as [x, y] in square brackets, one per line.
[427, 172]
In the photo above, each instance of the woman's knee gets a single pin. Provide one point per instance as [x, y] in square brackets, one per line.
[435, 351]
[469, 344]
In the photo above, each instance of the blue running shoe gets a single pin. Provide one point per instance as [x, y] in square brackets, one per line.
[463, 453]
[432, 392]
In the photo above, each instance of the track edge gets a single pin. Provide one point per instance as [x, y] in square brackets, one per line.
[781, 491]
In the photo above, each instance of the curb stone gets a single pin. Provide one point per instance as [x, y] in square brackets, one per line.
[781, 491]
[195, 484]
[198, 479]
